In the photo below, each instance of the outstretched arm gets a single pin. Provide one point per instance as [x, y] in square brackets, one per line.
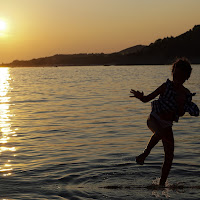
[143, 98]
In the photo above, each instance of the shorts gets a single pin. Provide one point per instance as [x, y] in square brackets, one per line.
[163, 123]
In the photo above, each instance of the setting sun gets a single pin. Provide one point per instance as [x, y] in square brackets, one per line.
[2, 25]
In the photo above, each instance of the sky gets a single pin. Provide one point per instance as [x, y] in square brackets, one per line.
[39, 28]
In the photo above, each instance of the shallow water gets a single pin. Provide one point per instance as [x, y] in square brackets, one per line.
[73, 133]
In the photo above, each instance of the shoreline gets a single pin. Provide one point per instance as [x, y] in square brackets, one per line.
[21, 66]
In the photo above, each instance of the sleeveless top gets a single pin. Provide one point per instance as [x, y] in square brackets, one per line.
[167, 102]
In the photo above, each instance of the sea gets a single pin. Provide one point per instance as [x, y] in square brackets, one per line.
[73, 133]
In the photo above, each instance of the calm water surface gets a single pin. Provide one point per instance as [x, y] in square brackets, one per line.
[73, 133]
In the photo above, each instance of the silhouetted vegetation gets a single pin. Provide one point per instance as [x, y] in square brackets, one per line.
[162, 51]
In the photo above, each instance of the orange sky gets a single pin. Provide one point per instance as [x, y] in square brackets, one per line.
[39, 28]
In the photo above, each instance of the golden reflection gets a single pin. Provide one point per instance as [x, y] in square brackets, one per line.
[5, 124]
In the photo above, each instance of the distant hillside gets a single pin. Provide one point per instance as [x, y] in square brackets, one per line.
[162, 51]
[130, 50]
[68, 60]
[186, 44]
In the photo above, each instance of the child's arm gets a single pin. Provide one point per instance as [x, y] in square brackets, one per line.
[144, 99]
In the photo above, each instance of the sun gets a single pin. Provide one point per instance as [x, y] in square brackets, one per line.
[3, 25]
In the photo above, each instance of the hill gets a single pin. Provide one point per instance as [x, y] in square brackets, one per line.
[162, 51]
[184, 45]
[134, 49]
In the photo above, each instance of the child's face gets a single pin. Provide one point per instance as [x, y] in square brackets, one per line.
[179, 76]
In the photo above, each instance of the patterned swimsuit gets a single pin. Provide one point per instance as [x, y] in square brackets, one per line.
[167, 102]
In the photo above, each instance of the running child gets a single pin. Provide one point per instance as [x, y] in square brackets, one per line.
[174, 100]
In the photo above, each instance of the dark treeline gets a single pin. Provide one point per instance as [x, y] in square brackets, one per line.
[162, 51]
[67, 60]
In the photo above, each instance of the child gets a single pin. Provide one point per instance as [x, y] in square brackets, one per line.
[173, 102]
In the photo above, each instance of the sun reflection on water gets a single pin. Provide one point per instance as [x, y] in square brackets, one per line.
[6, 133]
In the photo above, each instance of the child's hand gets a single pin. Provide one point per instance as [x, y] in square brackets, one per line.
[137, 94]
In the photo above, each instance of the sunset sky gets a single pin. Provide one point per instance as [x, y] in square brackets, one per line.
[38, 28]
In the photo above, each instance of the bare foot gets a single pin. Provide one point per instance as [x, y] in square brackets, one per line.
[140, 159]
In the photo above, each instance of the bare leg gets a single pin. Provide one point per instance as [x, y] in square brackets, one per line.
[168, 144]
[153, 141]
[153, 126]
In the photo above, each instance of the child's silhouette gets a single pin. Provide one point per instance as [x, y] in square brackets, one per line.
[173, 102]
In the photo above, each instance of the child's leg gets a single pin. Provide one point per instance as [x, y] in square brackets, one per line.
[155, 138]
[168, 143]
[153, 141]
[154, 127]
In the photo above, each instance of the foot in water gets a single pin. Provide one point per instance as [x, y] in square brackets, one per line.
[162, 183]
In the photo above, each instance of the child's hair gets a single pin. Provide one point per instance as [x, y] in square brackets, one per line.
[184, 65]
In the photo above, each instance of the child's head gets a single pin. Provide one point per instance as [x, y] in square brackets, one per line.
[181, 70]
